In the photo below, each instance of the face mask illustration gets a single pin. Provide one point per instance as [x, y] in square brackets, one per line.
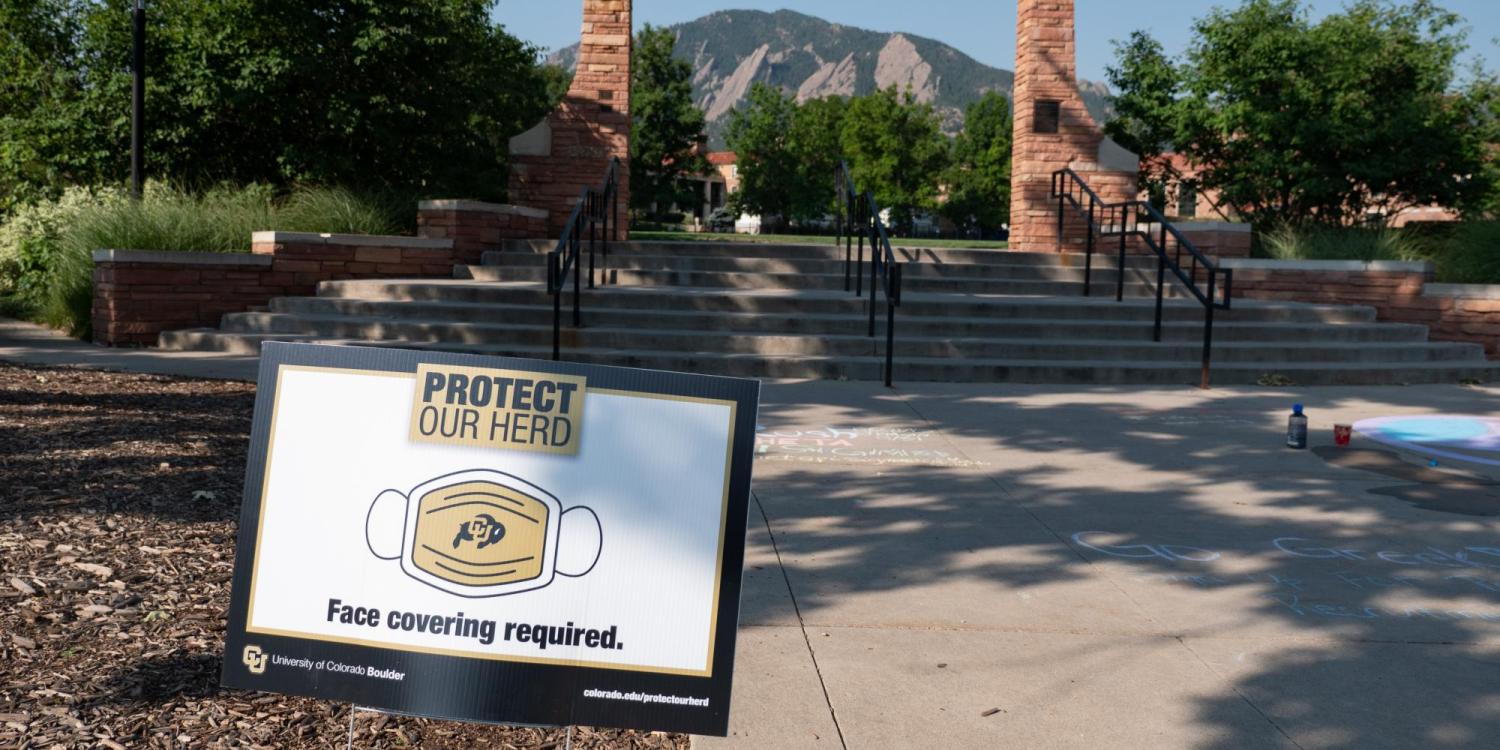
[483, 533]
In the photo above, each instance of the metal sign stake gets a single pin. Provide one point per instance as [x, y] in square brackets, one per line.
[352, 710]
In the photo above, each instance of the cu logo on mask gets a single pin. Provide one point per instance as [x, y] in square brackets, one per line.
[482, 533]
[484, 530]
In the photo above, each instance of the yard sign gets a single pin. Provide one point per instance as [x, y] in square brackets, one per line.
[492, 539]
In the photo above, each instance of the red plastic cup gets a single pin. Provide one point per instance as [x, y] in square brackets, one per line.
[1342, 434]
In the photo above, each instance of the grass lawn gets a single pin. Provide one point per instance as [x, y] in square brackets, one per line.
[800, 239]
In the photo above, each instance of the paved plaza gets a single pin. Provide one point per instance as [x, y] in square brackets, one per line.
[985, 566]
[1113, 568]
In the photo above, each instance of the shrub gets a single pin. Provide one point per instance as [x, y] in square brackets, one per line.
[30, 240]
[1343, 243]
[1472, 255]
[1461, 253]
[46, 250]
[341, 211]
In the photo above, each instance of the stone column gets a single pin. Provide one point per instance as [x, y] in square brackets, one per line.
[571, 149]
[1053, 130]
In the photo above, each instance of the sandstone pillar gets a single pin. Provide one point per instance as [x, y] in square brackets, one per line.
[1053, 130]
[571, 149]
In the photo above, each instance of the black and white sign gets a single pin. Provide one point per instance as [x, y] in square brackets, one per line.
[493, 539]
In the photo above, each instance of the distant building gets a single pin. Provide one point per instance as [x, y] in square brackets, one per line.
[1184, 200]
[726, 163]
[713, 187]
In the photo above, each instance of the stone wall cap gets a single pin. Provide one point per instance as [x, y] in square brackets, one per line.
[492, 208]
[262, 238]
[1466, 291]
[349, 240]
[1265, 264]
[181, 258]
[1213, 226]
[1095, 168]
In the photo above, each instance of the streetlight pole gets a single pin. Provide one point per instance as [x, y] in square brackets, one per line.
[138, 102]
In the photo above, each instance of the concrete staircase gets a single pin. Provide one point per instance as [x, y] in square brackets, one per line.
[780, 311]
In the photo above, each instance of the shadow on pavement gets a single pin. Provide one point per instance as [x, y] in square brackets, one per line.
[1345, 610]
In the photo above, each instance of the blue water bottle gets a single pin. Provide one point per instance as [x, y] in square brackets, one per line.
[1296, 429]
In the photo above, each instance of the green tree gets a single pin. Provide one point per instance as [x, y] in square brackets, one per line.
[1147, 87]
[40, 99]
[896, 148]
[759, 133]
[787, 153]
[666, 126]
[816, 149]
[409, 95]
[557, 80]
[978, 180]
[1486, 94]
[1295, 122]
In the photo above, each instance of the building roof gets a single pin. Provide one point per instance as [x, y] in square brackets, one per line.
[722, 158]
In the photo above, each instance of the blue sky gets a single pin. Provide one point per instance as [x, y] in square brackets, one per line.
[985, 29]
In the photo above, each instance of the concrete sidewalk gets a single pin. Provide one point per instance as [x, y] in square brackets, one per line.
[30, 344]
[1031, 567]
[993, 566]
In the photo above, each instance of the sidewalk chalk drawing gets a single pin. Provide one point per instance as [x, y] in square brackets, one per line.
[1466, 438]
[857, 445]
[1329, 581]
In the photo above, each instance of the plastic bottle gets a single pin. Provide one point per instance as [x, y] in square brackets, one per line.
[1296, 429]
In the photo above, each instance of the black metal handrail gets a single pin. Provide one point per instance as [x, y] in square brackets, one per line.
[858, 216]
[1125, 222]
[848, 214]
[596, 209]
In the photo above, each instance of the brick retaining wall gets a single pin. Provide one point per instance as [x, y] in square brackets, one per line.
[476, 227]
[1218, 239]
[1465, 312]
[311, 258]
[1399, 292]
[139, 294]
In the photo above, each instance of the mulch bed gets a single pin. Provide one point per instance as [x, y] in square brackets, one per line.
[119, 501]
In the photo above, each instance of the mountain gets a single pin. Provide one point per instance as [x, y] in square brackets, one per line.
[729, 50]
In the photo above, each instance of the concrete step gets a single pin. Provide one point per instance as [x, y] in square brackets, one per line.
[824, 252]
[781, 311]
[497, 265]
[854, 324]
[629, 338]
[931, 369]
[821, 302]
[914, 256]
[216, 340]
[754, 280]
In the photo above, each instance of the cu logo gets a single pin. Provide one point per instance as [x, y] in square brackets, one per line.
[483, 533]
[255, 659]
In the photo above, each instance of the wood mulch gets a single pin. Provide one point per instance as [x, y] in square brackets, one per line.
[119, 501]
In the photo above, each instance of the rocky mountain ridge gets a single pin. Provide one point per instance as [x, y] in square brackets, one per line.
[811, 58]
